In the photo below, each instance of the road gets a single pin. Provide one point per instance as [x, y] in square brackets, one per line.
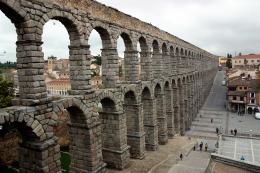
[204, 130]
[217, 97]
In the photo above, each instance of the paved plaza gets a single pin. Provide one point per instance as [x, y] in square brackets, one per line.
[235, 148]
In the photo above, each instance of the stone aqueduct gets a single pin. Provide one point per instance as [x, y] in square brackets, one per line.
[138, 114]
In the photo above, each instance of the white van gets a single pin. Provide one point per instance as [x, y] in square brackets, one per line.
[257, 115]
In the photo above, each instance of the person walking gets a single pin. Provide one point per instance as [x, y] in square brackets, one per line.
[206, 147]
[211, 120]
[217, 130]
[235, 131]
[201, 146]
[181, 156]
[231, 131]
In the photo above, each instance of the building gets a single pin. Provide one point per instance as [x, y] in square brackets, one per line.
[58, 87]
[253, 97]
[222, 61]
[237, 89]
[243, 94]
[249, 61]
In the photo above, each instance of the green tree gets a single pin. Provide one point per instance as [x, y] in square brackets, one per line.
[229, 63]
[97, 60]
[245, 61]
[6, 93]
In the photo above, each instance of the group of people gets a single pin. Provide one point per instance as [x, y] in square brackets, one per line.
[201, 146]
[233, 132]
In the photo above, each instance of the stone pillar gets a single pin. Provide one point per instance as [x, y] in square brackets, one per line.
[80, 74]
[135, 130]
[162, 119]
[176, 109]
[166, 63]
[182, 111]
[30, 69]
[186, 105]
[150, 124]
[85, 148]
[110, 67]
[180, 65]
[169, 112]
[174, 62]
[146, 66]
[41, 157]
[115, 148]
[131, 66]
[157, 65]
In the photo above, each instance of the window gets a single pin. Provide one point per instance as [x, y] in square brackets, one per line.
[239, 61]
[241, 98]
[245, 88]
[235, 61]
[253, 101]
[234, 98]
[252, 60]
[252, 94]
[240, 88]
[258, 60]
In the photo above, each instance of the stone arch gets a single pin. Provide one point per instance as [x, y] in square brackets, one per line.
[143, 44]
[16, 16]
[110, 95]
[104, 34]
[149, 120]
[161, 115]
[186, 52]
[127, 41]
[181, 52]
[145, 60]
[134, 123]
[81, 124]
[34, 141]
[113, 125]
[164, 48]
[177, 52]
[155, 46]
[78, 48]
[70, 22]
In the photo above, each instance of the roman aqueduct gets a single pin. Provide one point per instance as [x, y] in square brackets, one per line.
[138, 114]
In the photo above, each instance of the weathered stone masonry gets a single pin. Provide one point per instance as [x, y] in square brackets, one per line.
[137, 114]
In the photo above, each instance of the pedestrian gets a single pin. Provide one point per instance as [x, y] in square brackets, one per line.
[181, 156]
[211, 120]
[217, 130]
[194, 148]
[235, 131]
[242, 158]
[206, 147]
[201, 146]
[231, 131]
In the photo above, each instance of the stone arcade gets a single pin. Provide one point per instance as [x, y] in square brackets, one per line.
[138, 114]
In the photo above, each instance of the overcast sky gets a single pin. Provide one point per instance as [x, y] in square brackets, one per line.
[218, 26]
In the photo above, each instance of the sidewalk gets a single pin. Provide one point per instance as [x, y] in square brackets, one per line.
[153, 159]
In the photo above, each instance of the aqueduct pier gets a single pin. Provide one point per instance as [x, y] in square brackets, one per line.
[138, 114]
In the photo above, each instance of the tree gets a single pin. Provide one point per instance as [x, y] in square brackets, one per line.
[245, 61]
[97, 60]
[229, 63]
[6, 93]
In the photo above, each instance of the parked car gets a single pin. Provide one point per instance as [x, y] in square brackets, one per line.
[257, 115]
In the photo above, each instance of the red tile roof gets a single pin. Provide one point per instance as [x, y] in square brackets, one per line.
[250, 56]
